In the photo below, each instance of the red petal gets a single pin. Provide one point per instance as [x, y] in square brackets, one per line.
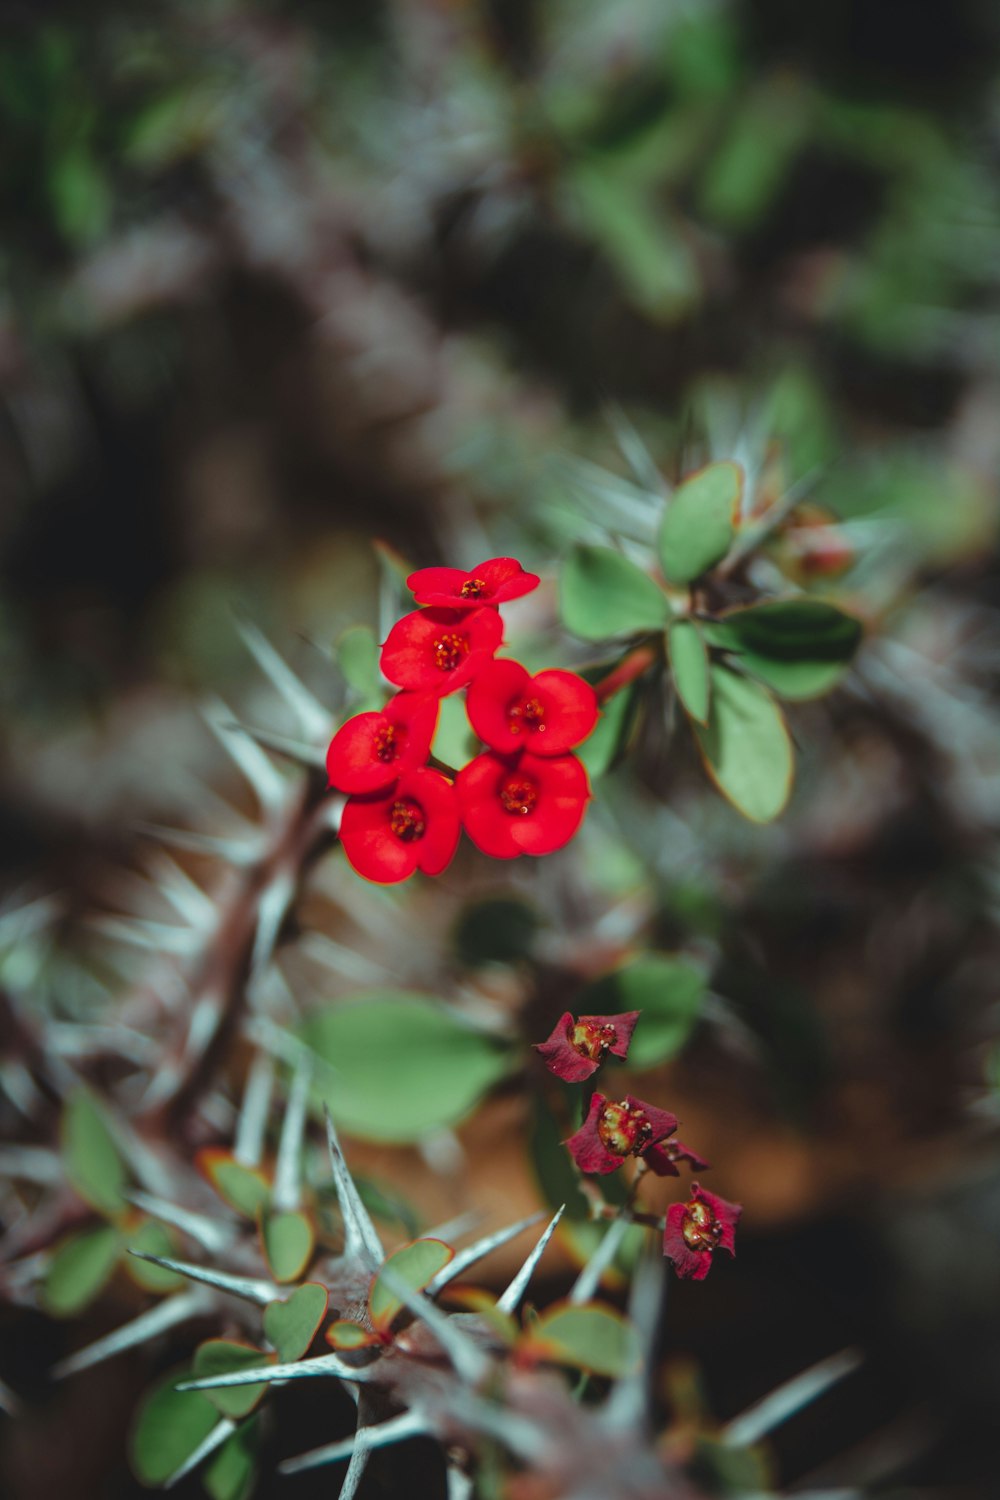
[586, 1147]
[408, 657]
[488, 704]
[483, 816]
[571, 712]
[728, 1215]
[561, 1058]
[659, 1162]
[624, 1025]
[369, 843]
[662, 1121]
[503, 577]
[436, 795]
[352, 761]
[563, 793]
[690, 1265]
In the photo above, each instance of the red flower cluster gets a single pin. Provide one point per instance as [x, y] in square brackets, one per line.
[614, 1131]
[525, 794]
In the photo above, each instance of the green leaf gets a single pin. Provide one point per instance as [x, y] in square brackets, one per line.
[292, 1325]
[357, 657]
[346, 1334]
[81, 1266]
[92, 1160]
[404, 1065]
[745, 746]
[582, 1240]
[552, 1163]
[499, 930]
[589, 1336]
[454, 741]
[221, 1357]
[415, 1264]
[603, 749]
[668, 991]
[229, 1475]
[244, 1189]
[689, 664]
[152, 1239]
[799, 647]
[475, 1299]
[602, 594]
[288, 1242]
[169, 1426]
[698, 526]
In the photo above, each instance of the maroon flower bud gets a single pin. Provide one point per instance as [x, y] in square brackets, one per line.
[697, 1228]
[613, 1131]
[576, 1049]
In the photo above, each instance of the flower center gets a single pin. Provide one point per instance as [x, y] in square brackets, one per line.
[624, 1129]
[449, 650]
[518, 797]
[406, 820]
[591, 1040]
[526, 713]
[386, 743]
[474, 588]
[701, 1229]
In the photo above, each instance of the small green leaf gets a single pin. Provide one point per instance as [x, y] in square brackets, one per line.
[346, 1334]
[698, 527]
[221, 1357]
[81, 1266]
[603, 749]
[476, 1299]
[589, 1336]
[288, 1240]
[602, 594]
[746, 748]
[553, 1166]
[292, 1325]
[404, 1064]
[415, 1264]
[454, 741]
[668, 991]
[689, 664]
[357, 657]
[229, 1475]
[152, 1238]
[169, 1426]
[244, 1189]
[93, 1163]
[799, 647]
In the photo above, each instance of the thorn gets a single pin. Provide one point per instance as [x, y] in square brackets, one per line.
[287, 1189]
[315, 720]
[184, 894]
[758, 1420]
[395, 1430]
[343, 961]
[272, 908]
[166, 1314]
[303, 1369]
[512, 1296]
[244, 1287]
[309, 756]
[160, 937]
[470, 1362]
[212, 1235]
[232, 851]
[521, 1435]
[468, 1257]
[255, 1105]
[208, 1445]
[627, 1406]
[251, 760]
[360, 1235]
[589, 1279]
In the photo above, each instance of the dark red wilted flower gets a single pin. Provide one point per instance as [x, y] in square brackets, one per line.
[612, 1131]
[525, 804]
[547, 714]
[491, 582]
[576, 1049]
[438, 650]
[663, 1159]
[413, 826]
[371, 750]
[695, 1229]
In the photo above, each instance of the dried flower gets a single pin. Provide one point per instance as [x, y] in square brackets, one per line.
[414, 825]
[523, 804]
[613, 1131]
[492, 582]
[371, 750]
[576, 1049]
[697, 1228]
[547, 714]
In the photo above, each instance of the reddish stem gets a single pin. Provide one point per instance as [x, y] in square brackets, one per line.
[638, 660]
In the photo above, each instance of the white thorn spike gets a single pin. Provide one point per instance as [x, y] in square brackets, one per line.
[468, 1257]
[232, 851]
[316, 722]
[208, 1445]
[518, 1433]
[272, 908]
[589, 1279]
[780, 1404]
[360, 1235]
[148, 1325]
[298, 751]
[244, 1287]
[395, 1430]
[627, 1406]
[327, 1366]
[287, 1191]
[470, 1362]
[255, 1106]
[268, 783]
[512, 1296]
[176, 886]
[214, 1237]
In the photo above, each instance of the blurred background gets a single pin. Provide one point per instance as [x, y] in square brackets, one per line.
[278, 280]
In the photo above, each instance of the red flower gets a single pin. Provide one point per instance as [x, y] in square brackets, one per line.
[547, 714]
[438, 650]
[491, 582]
[413, 826]
[576, 1049]
[371, 750]
[523, 804]
[663, 1159]
[611, 1132]
[697, 1228]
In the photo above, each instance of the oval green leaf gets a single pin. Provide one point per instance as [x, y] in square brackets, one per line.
[476, 1299]
[168, 1428]
[221, 1357]
[799, 647]
[602, 594]
[604, 748]
[689, 665]
[415, 1265]
[346, 1334]
[288, 1240]
[668, 991]
[292, 1325]
[152, 1238]
[745, 746]
[229, 1475]
[245, 1189]
[357, 657]
[403, 1064]
[81, 1267]
[589, 1336]
[699, 524]
[92, 1160]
